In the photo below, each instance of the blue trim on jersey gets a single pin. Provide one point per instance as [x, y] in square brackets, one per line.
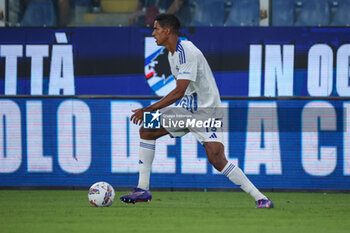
[182, 57]
[181, 51]
[177, 45]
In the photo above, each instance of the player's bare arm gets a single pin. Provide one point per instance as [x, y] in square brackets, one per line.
[172, 97]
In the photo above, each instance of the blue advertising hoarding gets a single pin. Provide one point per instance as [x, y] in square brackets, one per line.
[76, 141]
[279, 144]
[246, 61]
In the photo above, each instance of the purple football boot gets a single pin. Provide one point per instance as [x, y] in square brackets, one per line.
[264, 203]
[137, 195]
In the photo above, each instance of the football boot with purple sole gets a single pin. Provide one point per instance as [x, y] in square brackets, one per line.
[137, 195]
[264, 203]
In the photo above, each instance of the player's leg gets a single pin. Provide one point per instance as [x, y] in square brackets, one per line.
[146, 155]
[216, 156]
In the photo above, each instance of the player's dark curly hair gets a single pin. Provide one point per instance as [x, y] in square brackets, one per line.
[169, 20]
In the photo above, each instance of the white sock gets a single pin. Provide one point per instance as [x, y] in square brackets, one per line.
[236, 175]
[146, 156]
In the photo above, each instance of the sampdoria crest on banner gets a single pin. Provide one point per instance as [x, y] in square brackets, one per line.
[157, 69]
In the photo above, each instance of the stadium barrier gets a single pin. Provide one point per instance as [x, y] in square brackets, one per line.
[280, 143]
[63, 121]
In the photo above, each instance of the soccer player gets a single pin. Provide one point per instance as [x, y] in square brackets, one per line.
[194, 81]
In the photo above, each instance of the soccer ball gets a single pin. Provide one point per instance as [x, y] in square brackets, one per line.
[101, 194]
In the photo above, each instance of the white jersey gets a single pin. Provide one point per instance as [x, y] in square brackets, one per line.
[189, 63]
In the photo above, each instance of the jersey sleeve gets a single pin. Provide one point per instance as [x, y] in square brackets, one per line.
[188, 67]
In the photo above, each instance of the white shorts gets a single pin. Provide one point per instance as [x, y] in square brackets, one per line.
[203, 134]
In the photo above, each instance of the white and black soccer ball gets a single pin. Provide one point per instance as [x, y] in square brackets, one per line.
[101, 194]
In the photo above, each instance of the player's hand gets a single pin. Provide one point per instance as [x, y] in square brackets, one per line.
[137, 117]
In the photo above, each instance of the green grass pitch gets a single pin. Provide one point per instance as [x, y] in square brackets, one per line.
[214, 212]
